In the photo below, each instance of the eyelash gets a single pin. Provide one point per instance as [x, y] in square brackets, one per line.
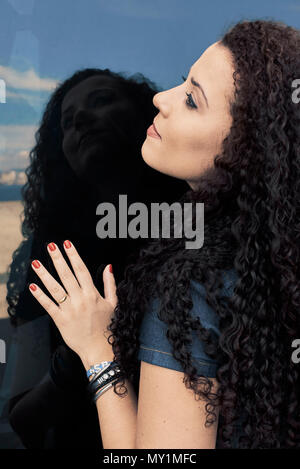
[65, 123]
[189, 102]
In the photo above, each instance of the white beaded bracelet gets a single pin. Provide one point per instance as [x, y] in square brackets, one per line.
[98, 367]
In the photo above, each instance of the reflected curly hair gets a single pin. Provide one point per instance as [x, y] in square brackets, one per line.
[52, 185]
[252, 224]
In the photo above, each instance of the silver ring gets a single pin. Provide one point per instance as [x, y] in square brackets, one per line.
[63, 299]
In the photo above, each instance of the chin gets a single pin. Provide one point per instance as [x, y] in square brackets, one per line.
[152, 159]
[149, 158]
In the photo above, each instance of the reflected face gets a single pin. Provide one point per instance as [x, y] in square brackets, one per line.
[192, 128]
[94, 119]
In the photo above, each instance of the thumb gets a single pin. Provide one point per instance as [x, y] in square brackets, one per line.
[110, 286]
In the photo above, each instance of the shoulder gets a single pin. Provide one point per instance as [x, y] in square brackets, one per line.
[165, 405]
[155, 347]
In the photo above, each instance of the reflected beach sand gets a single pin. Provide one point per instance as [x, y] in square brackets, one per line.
[10, 237]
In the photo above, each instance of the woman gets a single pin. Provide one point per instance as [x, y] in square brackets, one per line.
[63, 174]
[220, 319]
[87, 152]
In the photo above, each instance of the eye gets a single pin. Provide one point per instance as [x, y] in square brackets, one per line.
[189, 101]
[66, 123]
[99, 99]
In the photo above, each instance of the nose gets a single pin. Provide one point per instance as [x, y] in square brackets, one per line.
[156, 99]
[162, 101]
[82, 118]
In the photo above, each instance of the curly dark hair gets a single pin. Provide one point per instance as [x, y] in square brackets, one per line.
[252, 224]
[52, 186]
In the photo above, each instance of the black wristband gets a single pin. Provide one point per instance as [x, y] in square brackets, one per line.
[111, 366]
[98, 393]
[108, 375]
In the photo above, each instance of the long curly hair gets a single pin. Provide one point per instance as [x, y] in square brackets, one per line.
[251, 202]
[52, 186]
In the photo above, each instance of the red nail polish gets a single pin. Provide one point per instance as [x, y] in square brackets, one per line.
[67, 244]
[51, 246]
[110, 268]
[36, 264]
[32, 287]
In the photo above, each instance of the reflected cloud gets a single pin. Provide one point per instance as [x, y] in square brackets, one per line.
[28, 80]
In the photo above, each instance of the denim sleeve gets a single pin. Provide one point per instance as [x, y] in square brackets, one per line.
[154, 345]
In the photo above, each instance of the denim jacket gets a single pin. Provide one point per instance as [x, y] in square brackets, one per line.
[156, 349]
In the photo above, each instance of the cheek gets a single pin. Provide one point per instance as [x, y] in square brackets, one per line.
[209, 137]
[192, 149]
[218, 129]
[68, 147]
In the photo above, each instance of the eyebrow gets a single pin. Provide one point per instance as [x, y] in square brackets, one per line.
[69, 108]
[91, 93]
[195, 83]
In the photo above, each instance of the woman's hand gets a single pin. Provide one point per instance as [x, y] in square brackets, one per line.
[81, 314]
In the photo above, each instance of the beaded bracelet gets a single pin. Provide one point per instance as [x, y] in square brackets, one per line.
[95, 368]
[104, 377]
[112, 365]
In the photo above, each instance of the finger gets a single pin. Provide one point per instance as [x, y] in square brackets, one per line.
[51, 308]
[80, 269]
[110, 285]
[65, 273]
[53, 287]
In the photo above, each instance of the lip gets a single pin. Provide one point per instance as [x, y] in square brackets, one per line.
[90, 134]
[153, 132]
[155, 128]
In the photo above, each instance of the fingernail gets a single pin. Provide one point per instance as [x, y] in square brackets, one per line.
[32, 287]
[51, 246]
[36, 264]
[110, 268]
[67, 244]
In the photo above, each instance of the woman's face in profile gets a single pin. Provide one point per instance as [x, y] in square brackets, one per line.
[94, 119]
[193, 128]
